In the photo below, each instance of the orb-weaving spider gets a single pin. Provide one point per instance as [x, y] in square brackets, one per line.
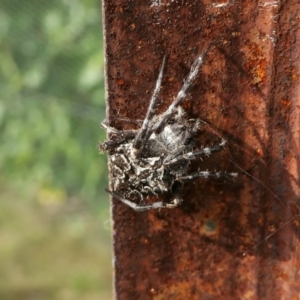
[155, 158]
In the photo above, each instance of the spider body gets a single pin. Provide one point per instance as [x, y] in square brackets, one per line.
[145, 172]
[155, 159]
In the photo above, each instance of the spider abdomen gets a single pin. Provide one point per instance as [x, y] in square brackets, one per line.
[145, 175]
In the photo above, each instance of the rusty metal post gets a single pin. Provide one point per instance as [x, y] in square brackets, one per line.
[248, 89]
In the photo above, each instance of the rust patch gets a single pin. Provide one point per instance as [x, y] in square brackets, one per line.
[248, 89]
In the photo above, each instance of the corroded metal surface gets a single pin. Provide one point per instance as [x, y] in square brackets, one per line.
[248, 90]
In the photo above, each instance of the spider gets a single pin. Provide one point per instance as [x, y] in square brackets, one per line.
[155, 159]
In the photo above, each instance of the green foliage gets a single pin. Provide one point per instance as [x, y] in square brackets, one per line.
[53, 211]
[52, 251]
[52, 94]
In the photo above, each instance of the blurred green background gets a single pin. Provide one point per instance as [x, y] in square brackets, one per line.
[54, 215]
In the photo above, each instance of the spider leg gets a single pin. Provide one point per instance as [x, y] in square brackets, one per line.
[206, 174]
[143, 135]
[112, 144]
[177, 200]
[123, 135]
[110, 129]
[194, 155]
[109, 145]
[143, 207]
[188, 82]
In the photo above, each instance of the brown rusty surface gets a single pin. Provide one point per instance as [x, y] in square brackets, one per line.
[248, 89]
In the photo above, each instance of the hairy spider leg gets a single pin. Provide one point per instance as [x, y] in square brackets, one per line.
[111, 144]
[143, 135]
[143, 206]
[123, 135]
[110, 129]
[194, 155]
[188, 82]
[206, 175]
